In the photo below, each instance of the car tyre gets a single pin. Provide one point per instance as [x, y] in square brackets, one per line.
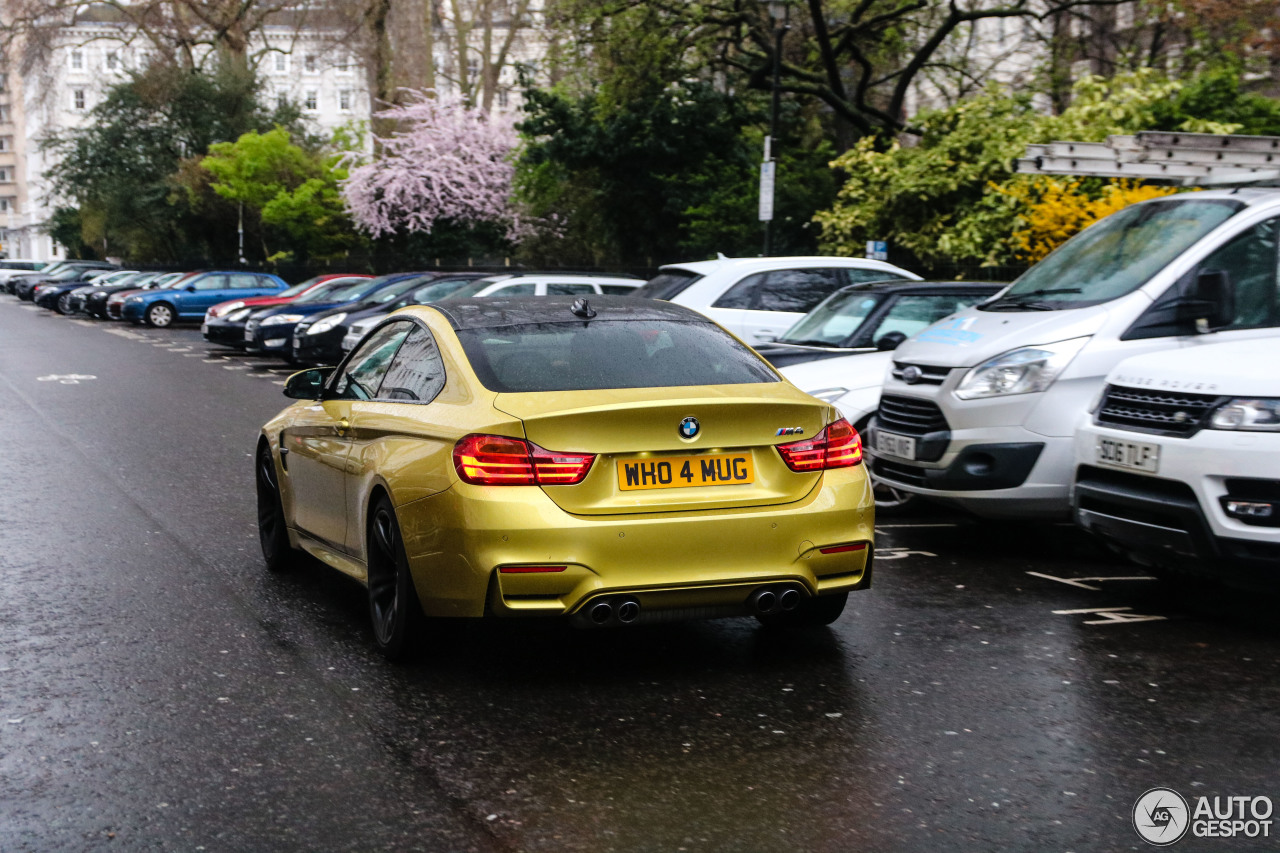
[273, 532]
[394, 609]
[64, 304]
[160, 315]
[815, 612]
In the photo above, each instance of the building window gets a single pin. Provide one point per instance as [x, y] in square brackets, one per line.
[77, 60]
[473, 69]
[113, 60]
[345, 64]
[282, 100]
[77, 99]
[312, 102]
[344, 100]
[282, 62]
[6, 143]
[4, 112]
[502, 97]
[309, 63]
[5, 177]
[5, 205]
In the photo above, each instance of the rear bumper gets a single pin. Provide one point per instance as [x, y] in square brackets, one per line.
[679, 565]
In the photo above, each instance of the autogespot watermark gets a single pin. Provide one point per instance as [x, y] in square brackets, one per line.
[1162, 817]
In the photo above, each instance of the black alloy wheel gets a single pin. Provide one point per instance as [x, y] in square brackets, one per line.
[64, 304]
[273, 533]
[394, 608]
[813, 612]
[161, 315]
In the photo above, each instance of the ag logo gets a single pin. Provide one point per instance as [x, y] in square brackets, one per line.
[1161, 816]
[689, 427]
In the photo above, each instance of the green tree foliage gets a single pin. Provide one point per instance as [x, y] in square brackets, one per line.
[120, 168]
[292, 191]
[650, 178]
[939, 203]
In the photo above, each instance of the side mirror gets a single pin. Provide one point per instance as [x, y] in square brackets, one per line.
[890, 341]
[307, 384]
[190, 288]
[1210, 302]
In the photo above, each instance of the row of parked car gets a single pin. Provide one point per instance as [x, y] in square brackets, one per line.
[1123, 381]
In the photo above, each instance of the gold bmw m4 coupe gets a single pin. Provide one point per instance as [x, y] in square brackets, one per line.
[613, 462]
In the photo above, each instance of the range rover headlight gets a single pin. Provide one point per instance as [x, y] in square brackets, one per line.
[1252, 415]
[1020, 371]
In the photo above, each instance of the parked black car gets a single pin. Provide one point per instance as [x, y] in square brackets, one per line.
[73, 270]
[78, 299]
[358, 322]
[57, 296]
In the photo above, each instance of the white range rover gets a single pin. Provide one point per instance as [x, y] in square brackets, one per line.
[1178, 464]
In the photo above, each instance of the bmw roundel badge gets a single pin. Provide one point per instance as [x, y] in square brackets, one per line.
[689, 427]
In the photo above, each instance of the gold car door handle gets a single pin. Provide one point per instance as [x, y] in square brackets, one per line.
[343, 426]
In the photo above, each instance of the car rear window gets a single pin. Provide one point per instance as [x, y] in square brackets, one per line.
[666, 285]
[585, 356]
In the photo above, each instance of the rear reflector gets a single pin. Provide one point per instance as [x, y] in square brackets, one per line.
[499, 460]
[837, 446]
[526, 570]
[840, 549]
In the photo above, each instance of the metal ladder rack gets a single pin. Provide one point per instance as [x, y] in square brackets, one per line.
[1185, 159]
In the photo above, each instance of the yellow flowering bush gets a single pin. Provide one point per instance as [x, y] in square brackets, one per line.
[1055, 209]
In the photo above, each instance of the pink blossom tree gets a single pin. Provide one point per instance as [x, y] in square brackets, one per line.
[445, 161]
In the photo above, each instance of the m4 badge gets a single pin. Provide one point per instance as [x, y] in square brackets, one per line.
[790, 431]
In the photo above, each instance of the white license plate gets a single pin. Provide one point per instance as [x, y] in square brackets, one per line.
[901, 446]
[204, 328]
[248, 334]
[1131, 455]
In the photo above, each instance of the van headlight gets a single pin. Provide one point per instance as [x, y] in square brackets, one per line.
[1256, 415]
[1019, 371]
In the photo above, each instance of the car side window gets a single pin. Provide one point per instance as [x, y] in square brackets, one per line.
[364, 371]
[1250, 260]
[857, 276]
[568, 289]
[796, 290]
[516, 289]
[618, 289]
[416, 374]
[247, 282]
[742, 294]
[211, 282]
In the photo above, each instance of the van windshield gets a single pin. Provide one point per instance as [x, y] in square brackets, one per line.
[1116, 256]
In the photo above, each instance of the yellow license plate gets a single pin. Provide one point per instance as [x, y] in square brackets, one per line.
[674, 472]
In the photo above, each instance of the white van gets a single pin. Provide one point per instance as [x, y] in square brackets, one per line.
[1178, 464]
[980, 409]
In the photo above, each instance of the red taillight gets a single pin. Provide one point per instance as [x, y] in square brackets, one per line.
[497, 460]
[841, 549]
[837, 446]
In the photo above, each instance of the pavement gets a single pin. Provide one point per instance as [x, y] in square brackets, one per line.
[1002, 685]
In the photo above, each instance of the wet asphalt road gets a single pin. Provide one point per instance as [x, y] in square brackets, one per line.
[159, 691]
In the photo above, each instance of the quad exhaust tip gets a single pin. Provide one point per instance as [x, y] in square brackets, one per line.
[601, 612]
[783, 599]
[628, 611]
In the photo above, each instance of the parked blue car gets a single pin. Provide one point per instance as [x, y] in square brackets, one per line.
[197, 294]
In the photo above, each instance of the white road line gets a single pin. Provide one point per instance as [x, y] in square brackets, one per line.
[235, 367]
[1077, 582]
